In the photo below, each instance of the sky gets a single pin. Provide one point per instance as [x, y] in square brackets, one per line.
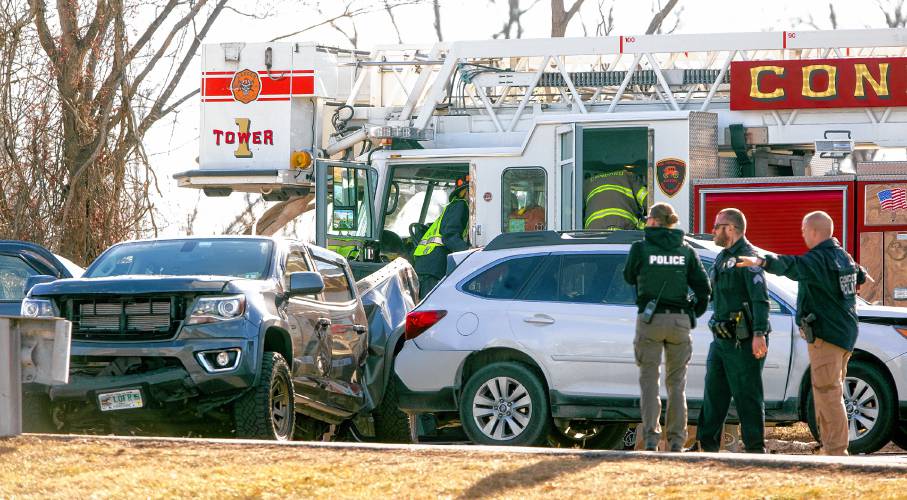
[172, 144]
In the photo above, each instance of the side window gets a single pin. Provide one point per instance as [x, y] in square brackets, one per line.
[336, 283]
[296, 263]
[582, 278]
[524, 197]
[13, 273]
[505, 279]
[594, 279]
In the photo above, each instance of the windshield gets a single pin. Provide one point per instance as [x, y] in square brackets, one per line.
[242, 258]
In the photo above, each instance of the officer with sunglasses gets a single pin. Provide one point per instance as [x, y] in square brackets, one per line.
[737, 354]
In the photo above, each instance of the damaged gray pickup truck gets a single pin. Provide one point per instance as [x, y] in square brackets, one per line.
[268, 337]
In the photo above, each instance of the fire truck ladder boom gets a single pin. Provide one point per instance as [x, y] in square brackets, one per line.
[507, 81]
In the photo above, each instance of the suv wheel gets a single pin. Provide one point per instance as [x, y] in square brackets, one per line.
[266, 411]
[589, 435]
[505, 404]
[869, 402]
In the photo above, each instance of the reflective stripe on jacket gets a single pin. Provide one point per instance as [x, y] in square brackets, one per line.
[432, 238]
[614, 200]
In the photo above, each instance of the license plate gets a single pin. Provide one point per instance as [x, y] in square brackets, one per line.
[121, 400]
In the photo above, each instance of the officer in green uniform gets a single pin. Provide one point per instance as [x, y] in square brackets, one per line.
[827, 280]
[446, 235]
[663, 268]
[737, 353]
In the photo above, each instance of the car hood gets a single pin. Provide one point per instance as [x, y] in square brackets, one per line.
[131, 284]
[882, 314]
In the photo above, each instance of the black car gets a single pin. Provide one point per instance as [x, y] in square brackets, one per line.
[21, 265]
[246, 331]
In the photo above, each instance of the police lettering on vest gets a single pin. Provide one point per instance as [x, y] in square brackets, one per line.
[668, 260]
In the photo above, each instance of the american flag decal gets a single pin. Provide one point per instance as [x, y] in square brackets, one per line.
[893, 199]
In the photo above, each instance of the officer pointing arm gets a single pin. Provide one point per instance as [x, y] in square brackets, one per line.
[827, 280]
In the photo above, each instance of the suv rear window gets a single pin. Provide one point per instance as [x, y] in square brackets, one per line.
[505, 279]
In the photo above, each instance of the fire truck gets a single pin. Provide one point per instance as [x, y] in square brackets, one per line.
[364, 147]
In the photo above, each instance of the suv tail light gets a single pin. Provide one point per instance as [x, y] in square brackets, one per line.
[419, 321]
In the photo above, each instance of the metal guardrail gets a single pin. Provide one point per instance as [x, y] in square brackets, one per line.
[32, 350]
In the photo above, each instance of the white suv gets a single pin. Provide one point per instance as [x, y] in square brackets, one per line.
[531, 339]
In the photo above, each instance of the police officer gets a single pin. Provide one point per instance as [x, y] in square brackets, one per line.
[663, 268]
[615, 200]
[737, 353]
[827, 280]
[446, 235]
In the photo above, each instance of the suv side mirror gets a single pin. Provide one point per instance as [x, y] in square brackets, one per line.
[306, 283]
[37, 279]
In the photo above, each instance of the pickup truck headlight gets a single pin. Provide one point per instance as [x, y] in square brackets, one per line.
[218, 308]
[38, 308]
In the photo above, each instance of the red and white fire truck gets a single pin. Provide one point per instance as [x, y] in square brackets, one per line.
[775, 123]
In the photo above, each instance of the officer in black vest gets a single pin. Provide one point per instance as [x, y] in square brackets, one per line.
[737, 353]
[663, 268]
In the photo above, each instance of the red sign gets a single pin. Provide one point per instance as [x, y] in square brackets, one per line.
[819, 83]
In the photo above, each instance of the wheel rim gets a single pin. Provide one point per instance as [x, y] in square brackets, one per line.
[862, 405]
[502, 408]
[280, 407]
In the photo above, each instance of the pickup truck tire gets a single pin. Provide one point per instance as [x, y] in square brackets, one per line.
[266, 411]
[593, 436]
[391, 424]
[505, 404]
[866, 395]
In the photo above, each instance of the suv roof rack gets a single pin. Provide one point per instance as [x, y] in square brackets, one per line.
[548, 238]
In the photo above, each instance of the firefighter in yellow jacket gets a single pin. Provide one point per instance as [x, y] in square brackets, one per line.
[446, 235]
[614, 200]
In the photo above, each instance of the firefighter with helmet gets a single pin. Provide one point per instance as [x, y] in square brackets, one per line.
[446, 235]
[615, 200]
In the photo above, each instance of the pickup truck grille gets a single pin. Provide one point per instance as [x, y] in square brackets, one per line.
[130, 318]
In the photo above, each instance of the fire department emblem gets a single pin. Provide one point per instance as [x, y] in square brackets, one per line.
[670, 173]
[245, 86]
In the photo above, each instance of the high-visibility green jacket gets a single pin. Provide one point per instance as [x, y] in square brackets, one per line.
[614, 200]
[433, 238]
[447, 234]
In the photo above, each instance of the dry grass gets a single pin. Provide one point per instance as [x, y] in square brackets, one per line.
[42, 467]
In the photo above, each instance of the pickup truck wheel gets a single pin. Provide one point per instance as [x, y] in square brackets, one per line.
[505, 404]
[589, 435]
[869, 402]
[391, 424]
[266, 411]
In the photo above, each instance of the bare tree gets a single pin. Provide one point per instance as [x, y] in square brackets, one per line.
[604, 25]
[560, 17]
[514, 19]
[893, 10]
[660, 14]
[436, 8]
[811, 22]
[390, 13]
[76, 177]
